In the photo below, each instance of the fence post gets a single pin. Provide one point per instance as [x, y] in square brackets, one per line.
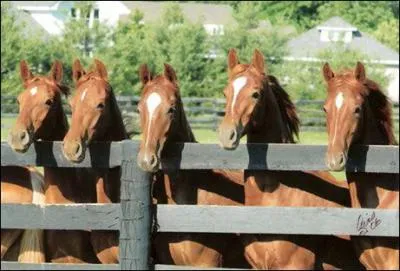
[135, 212]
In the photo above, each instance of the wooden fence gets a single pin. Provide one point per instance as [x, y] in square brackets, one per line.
[133, 217]
[205, 113]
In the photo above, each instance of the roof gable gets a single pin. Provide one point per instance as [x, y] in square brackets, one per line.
[309, 44]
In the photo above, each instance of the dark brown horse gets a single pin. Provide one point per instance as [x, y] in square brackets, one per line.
[357, 112]
[258, 107]
[163, 122]
[42, 117]
[96, 117]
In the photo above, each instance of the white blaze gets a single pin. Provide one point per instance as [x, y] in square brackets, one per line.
[238, 85]
[339, 103]
[83, 94]
[339, 100]
[152, 102]
[33, 91]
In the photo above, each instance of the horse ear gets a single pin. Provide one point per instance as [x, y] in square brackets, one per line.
[24, 71]
[360, 72]
[327, 72]
[144, 74]
[77, 70]
[169, 72]
[101, 69]
[233, 59]
[56, 72]
[258, 61]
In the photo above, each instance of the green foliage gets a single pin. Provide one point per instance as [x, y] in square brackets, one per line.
[17, 43]
[305, 79]
[186, 46]
[388, 33]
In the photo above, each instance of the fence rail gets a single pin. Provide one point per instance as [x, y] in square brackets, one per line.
[205, 113]
[133, 215]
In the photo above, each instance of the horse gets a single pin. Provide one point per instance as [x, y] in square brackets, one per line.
[163, 122]
[365, 117]
[257, 106]
[96, 117]
[41, 117]
[22, 185]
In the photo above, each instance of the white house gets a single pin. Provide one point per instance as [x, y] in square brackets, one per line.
[307, 46]
[51, 15]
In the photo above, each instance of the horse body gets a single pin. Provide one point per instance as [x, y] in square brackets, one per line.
[163, 122]
[365, 114]
[22, 185]
[96, 117]
[259, 107]
[42, 117]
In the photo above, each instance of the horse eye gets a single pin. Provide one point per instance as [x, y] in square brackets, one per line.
[324, 108]
[255, 95]
[49, 102]
[171, 110]
[357, 110]
[100, 106]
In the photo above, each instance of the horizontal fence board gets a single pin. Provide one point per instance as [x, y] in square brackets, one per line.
[277, 220]
[383, 159]
[56, 266]
[60, 216]
[184, 267]
[50, 154]
[209, 218]
[290, 157]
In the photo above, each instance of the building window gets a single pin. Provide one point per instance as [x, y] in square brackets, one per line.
[73, 12]
[96, 13]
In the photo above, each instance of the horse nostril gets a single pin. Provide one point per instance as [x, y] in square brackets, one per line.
[233, 135]
[23, 135]
[153, 160]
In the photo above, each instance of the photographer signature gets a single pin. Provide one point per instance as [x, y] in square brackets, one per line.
[367, 223]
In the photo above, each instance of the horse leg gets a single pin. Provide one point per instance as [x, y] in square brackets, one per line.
[69, 246]
[8, 238]
[32, 241]
[106, 243]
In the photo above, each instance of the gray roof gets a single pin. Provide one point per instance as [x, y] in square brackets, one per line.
[308, 44]
[211, 13]
[35, 3]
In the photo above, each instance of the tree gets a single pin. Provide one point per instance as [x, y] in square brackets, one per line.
[80, 39]
[19, 41]
[305, 80]
[388, 33]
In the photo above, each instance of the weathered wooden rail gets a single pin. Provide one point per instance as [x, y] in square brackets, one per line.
[133, 218]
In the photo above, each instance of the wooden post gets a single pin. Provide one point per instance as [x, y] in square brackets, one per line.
[135, 212]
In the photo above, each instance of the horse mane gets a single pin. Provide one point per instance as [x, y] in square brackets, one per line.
[287, 108]
[381, 108]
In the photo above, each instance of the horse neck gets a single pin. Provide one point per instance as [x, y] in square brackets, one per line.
[57, 131]
[369, 132]
[181, 131]
[116, 131]
[272, 128]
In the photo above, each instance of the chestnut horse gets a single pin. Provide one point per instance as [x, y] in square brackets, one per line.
[163, 122]
[22, 185]
[96, 117]
[258, 107]
[365, 117]
[42, 117]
